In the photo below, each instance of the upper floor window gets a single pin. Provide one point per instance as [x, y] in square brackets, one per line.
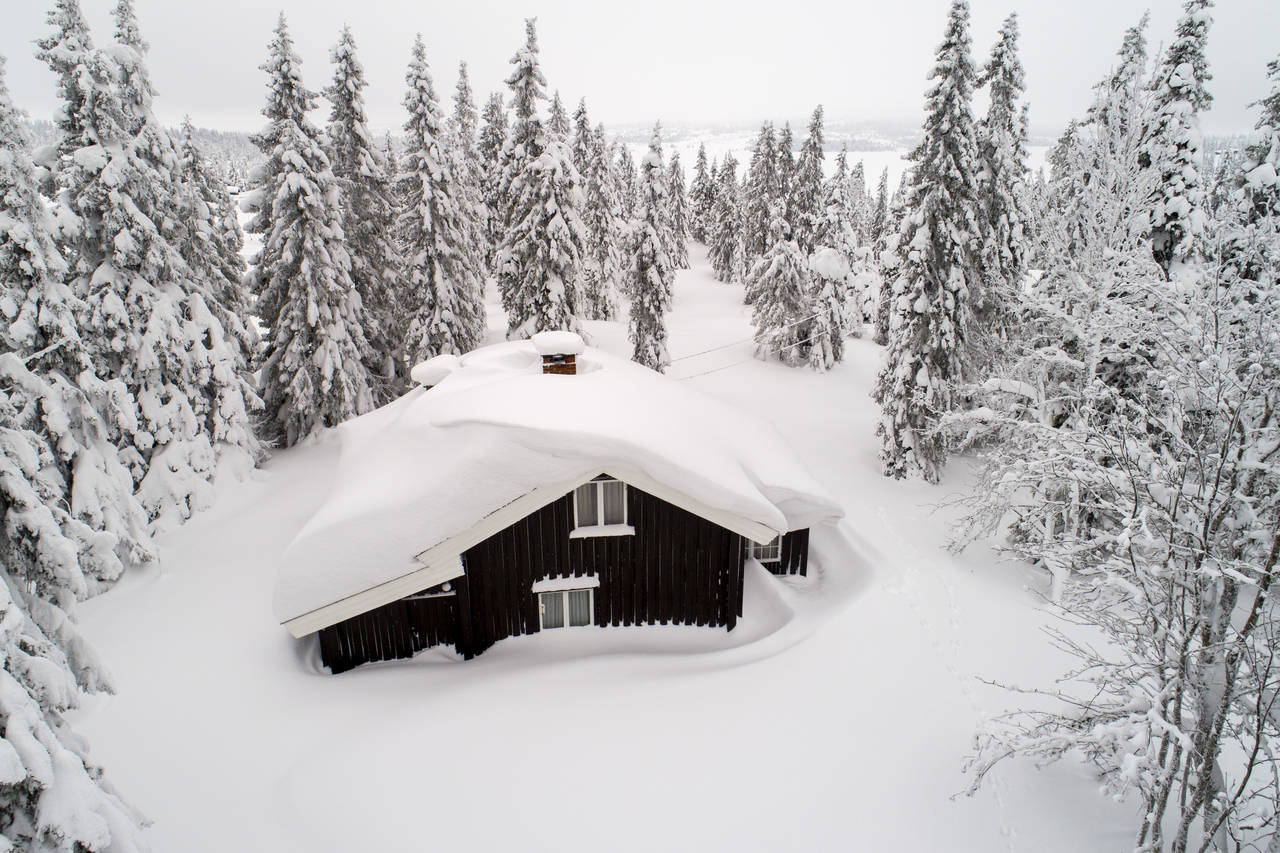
[770, 552]
[600, 503]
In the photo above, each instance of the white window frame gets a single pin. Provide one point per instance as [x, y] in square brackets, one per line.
[600, 528]
[564, 606]
[775, 545]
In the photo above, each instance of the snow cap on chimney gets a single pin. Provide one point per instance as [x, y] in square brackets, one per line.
[559, 351]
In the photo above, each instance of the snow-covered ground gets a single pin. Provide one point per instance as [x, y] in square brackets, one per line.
[835, 717]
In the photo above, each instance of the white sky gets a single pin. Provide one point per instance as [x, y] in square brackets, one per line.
[684, 62]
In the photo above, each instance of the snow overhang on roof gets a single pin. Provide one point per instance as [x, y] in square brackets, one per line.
[426, 477]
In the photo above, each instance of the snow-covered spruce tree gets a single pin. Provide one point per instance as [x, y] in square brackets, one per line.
[785, 166]
[558, 119]
[581, 146]
[783, 309]
[761, 193]
[836, 246]
[443, 297]
[146, 318]
[888, 260]
[701, 197]
[51, 384]
[1002, 139]
[1260, 171]
[464, 156]
[605, 233]
[879, 211]
[1122, 90]
[1161, 533]
[625, 173]
[492, 139]
[651, 270]
[807, 190]
[69, 520]
[543, 240]
[678, 215]
[313, 374]
[724, 229]
[860, 203]
[939, 268]
[368, 213]
[1174, 143]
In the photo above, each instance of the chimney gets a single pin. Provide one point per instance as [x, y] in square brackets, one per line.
[559, 351]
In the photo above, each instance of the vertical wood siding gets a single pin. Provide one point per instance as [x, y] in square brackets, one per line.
[677, 568]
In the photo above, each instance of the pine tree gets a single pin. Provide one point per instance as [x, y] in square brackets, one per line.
[605, 233]
[1002, 145]
[541, 250]
[783, 309]
[651, 270]
[938, 267]
[724, 232]
[1177, 205]
[368, 213]
[313, 373]
[678, 216]
[443, 298]
[807, 191]
[558, 119]
[701, 197]
[493, 138]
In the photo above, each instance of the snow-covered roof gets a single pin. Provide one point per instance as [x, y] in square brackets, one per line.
[496, 435]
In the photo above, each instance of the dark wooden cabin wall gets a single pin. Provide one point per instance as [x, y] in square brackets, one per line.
[794, 554]
[395, 630]
[676, 568]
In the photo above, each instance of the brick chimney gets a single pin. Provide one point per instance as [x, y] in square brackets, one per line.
[559, 351]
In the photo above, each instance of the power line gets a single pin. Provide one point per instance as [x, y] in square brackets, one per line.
[745, 360]
[749, 340]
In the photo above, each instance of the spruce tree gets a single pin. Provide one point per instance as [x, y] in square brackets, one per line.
[313, 374]
[558, 119]
[147, 319]
[760, 193]
[651, 271]
[783, 309]
[879, 211]
[678, 213]
[493, 137]
[724, 234]
[626, 177]
[836, 232]
[443, 298]
[1258, 172]
[368, 213]
[542, 246]
[1002, 139]
[807, 191]
[939, 267]
[605, 233]
[785, 168]
[701, 197]
[1179, 96]
[582, 145]
[465, 159]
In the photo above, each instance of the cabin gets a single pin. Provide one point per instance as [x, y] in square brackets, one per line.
[541, 485]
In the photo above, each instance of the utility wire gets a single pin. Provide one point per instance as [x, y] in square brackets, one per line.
[745, 360]
[734, 343]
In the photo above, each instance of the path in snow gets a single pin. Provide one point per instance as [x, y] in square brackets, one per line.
[836, 717]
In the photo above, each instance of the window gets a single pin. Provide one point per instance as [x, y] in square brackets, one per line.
[601, 504]
[567, 607]
[770, 552]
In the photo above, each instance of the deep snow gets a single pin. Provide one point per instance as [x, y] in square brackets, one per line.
[835, 717]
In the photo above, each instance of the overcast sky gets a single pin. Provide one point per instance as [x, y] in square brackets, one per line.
[684, 61]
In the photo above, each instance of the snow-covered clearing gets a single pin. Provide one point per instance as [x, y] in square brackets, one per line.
[835, 717]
